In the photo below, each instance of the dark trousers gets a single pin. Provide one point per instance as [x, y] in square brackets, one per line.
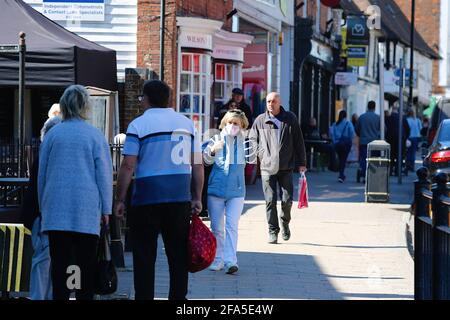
[363, 160]
[412, 152]
[77, 249]
[343, 152]
[269, 183]
[172, 220]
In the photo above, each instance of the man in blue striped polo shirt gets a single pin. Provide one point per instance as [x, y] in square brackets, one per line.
[163, 151]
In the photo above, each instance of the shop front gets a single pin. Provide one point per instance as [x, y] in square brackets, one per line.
[317, 88]
[195, 49]
[228, 60]
[268, 60]
[210, 66]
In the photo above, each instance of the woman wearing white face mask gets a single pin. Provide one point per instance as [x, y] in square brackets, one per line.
[226, 187]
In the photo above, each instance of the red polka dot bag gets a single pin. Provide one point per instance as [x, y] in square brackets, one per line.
[201, 245]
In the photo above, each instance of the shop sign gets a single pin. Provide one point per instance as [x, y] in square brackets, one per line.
[195, 40]
[356, 56]
[345, 78]
[389, 82]
[74, 10]
[228, 53]
[357, 31]
[321, 52]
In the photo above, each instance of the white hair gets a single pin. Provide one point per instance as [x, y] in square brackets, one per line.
[50, 123]
[55, 110]
[275, 94]
[75, 102]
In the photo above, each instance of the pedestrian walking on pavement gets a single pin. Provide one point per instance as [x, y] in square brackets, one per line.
[278, 140]
[40, 280]
[237, 101]
[226, 187]
[162, 149]
[75, 193]
[368, 130]
[342, 133]
[415, 126]
[392, 125]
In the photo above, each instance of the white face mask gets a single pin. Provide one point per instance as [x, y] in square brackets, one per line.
[232, 130]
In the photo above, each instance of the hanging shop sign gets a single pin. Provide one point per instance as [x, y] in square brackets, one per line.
[321, 52]
[356, 56]
[357, 31]
[74, 10]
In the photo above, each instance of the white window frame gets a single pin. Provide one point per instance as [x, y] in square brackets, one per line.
[235, 82]
[204, 117]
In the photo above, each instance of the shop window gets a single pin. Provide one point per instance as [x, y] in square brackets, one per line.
[194, 90]
[227, 77]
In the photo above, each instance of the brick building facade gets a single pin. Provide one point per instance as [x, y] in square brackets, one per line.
[428, 24]
[211, 15]
[209, 50]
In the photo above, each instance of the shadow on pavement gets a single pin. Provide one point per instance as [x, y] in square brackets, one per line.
[265, 276]
[354, 247]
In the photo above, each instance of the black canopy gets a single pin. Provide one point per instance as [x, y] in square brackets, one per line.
[55, 57]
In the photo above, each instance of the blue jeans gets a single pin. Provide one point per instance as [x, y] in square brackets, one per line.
[40, 282]
[363, 159]
[412, 151]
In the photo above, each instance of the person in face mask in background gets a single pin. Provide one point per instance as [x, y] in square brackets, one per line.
[226, 152]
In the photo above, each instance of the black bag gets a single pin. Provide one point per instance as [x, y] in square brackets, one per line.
[105, 272]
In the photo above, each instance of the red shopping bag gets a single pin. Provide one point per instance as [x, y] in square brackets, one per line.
[201, 245]
[302, 192]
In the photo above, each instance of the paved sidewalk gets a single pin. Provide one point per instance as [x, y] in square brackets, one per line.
[340, 249]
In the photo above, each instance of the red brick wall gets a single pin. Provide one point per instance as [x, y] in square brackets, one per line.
[428, 15]
[148, 38]
[312, 11]
[211, 9]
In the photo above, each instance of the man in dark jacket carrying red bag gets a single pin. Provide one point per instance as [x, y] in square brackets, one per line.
[278, 139]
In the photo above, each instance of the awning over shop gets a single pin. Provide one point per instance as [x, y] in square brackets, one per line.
[55, 56]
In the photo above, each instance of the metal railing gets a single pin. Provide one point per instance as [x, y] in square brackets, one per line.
[431, 237]
[16, 159]
[12, 191]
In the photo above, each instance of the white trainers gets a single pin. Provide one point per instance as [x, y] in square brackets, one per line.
[216, 266]
[231, 268]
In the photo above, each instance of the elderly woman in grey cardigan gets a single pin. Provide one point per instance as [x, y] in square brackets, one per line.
[74, 191]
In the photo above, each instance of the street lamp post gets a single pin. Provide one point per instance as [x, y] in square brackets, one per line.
[411, 76]
[22, 51]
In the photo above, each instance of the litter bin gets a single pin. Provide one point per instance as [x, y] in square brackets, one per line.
[377, 172]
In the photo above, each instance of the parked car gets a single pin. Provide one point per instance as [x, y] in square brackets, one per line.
[438, 157]
[440, 113]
